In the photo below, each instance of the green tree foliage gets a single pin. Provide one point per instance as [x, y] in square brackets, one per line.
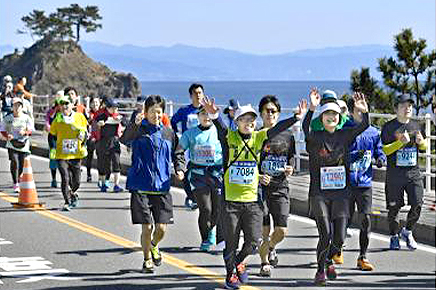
[412, 71]
[379, 100]
[81, 17]
[36, 24]
[60, 25]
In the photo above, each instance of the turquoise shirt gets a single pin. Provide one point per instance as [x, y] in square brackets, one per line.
[204, 146]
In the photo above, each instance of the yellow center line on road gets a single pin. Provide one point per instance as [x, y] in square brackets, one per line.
[173, 261]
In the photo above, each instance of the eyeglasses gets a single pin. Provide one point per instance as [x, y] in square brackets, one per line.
[271, 111]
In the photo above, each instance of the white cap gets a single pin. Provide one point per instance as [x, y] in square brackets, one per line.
[7, 79]
[342, 104]
[17, 100]
[332, 106]
[242, 110]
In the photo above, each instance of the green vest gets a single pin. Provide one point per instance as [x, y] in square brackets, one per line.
[241, 178]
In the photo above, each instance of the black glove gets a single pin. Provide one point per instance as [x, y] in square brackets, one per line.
[360, 154]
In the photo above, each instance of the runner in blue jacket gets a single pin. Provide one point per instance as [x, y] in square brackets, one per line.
[149, 178]
[366, 147]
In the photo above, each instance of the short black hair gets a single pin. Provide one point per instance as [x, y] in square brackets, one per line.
[269, 99]
[152, 100]
[194, 86]
[67, 89]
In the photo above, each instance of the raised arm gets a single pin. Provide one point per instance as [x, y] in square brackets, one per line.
[361, 105]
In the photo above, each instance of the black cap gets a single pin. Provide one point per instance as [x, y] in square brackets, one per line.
[110, 103]
[140, 99]
[404, 98]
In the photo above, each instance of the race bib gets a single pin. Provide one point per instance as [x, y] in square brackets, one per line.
[407, 156]
[192, 121]
[273, 165]
[204, 154]
[70, 146]
[333, 177]
[362, 164]
[242, 172]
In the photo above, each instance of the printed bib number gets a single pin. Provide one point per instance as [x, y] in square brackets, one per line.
[362, 164]
[242, 172]
[333, 177]
[407, 156]
[274, 166]
[70, 146]
[204, 154]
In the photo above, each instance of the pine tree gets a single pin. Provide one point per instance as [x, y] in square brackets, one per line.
[412, 71]
[81, 17]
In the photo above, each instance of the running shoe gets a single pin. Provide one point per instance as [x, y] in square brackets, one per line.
[232, 282]
[220, 246]
[156, 255]
[118, 189]
[103, 188]
[241, 271]
[265, 270]
[74, 200]
[211, 237]
[331, 271]
[407, 236]
[364, 265]
[395, 243]
[320, 279]
[205, 246]
[66, 207]
[273, 258]
[16, 187]
[338, 258]
[54, 184]
[190, 204]
[147, 266]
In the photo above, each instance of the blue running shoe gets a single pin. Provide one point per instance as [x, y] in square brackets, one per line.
[118, 188]
[74, 200]
[205, 246]
[103, 188]
[395, 243]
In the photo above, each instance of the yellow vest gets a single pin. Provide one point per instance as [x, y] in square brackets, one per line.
[242, 176]
[68, 146]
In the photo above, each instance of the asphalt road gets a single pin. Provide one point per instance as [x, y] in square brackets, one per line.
[95, 246]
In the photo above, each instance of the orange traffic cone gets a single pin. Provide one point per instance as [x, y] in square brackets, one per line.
[28, 197]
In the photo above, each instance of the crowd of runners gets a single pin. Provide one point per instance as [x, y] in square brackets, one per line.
[234, 171]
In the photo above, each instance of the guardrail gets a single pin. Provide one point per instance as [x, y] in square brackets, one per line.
[41, 105]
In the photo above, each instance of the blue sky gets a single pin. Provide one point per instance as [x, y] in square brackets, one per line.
[255, 26]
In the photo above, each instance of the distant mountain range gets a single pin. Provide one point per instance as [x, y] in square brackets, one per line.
[188, 63]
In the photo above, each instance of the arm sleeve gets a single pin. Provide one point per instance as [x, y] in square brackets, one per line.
[391, 148]
[174, 120]
[52, 141]
[184, 140]
[306, 123]
[281, 126]
[355, 131]
[378, 149]
[178, 154]
[131, 133]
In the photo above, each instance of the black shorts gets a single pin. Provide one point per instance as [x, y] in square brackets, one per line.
[149, 208]
[277, 206]
[396, 184]
[362, 197]
[333, 208]
[15, 155]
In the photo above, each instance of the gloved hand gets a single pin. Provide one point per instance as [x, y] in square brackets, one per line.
[379, 163]
[82, 135]
[53, 153]
[360, 154]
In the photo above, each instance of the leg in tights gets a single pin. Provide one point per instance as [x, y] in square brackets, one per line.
[204, 200]
[323, 225]
[53, 174]
[75, 172]
[413, 216]
[339, 233]
[20, 163]
[65, 177]
[231, 227]
[252, 218]
[393, 220]
[14, 166]
[365, 229]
